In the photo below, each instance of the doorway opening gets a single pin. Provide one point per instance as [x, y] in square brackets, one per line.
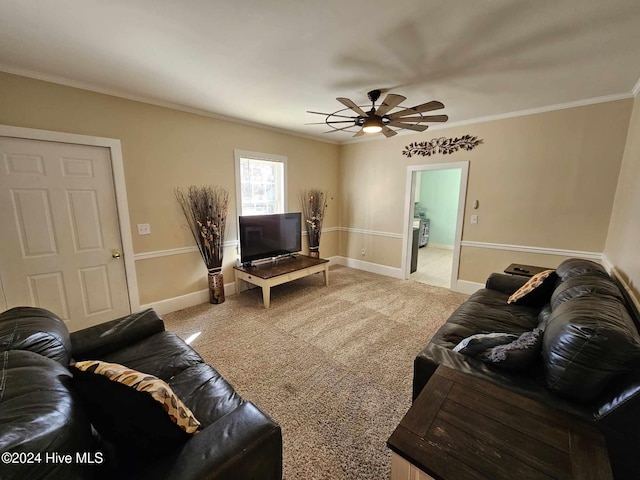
[434, 216]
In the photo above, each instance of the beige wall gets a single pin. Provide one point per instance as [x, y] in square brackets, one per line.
[385, 250]
[162, 149]
[476, 262]
[546, 180]
[622, 248]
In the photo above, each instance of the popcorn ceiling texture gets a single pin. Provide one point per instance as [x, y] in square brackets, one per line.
[332, 365]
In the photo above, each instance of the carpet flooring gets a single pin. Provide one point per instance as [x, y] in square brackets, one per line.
[332, 365]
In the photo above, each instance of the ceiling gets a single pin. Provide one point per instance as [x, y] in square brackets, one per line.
[269, 61]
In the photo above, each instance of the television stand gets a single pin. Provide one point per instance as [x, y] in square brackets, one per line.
[277, 272]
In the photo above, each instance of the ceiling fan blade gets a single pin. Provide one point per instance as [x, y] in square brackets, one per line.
[390, 102]
[388, 132]
[425, 107]
[360, 133]
[417, 128]
[424, 118]
[348, 103]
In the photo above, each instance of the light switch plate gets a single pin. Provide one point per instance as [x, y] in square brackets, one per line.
[144, 229]
[474, 218]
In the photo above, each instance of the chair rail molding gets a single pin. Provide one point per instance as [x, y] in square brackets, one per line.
[528, 249]
[375, 233]
[176, 251]
[192, 249]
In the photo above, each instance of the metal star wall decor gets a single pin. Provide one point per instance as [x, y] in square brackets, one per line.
[442, 145]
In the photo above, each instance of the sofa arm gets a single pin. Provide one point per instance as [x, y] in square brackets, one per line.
[93, 342]
[505, 283]
[618, 414]
[243, 445]
[522, 383]
[619, 406]
[432, 356]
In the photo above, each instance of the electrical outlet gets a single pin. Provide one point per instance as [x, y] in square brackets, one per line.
[474, 219]
[144, 229]
[363, 252]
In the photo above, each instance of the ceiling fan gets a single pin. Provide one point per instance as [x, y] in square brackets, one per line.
[379, 119]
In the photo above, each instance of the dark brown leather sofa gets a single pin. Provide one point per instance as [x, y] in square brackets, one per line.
[589, 362]
[42, 412]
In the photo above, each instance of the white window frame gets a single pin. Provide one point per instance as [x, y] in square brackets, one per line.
[239, 154]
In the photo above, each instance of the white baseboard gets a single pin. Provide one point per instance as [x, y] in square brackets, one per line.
[367, 266]
[464, 286]
[169, 305]
[461, 286]
[173, 304]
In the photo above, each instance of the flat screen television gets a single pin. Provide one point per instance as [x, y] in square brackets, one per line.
[268, 236]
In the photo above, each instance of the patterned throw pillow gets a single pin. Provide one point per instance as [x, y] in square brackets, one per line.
[137, 412]
[537, 291]
[178, 412]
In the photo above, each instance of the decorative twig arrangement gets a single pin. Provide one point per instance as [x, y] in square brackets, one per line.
[442, 145]
[313, 206]
[205, 208]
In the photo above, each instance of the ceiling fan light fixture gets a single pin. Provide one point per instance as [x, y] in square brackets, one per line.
[372, 125]
[380, 118]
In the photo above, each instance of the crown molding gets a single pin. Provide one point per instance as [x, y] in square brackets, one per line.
[205, 113]
[537, 110]
[519, 113]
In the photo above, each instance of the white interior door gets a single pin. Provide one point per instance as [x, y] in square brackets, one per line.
[61, 246]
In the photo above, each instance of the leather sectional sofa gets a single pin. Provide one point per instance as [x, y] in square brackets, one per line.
[45, 422]
[588, 362]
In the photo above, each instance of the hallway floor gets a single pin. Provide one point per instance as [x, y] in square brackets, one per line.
[434, 266]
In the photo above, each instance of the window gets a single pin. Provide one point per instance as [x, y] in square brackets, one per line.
[260, 183]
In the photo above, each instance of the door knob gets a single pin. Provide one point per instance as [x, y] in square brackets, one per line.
[115, 254]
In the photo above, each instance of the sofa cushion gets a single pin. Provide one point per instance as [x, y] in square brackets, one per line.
[36, 330]
[40, 412]
[583, 285]
[516, 355]
[137, 412]
[486, 311]
[588, 341]
[577, 266]
[537, 291]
